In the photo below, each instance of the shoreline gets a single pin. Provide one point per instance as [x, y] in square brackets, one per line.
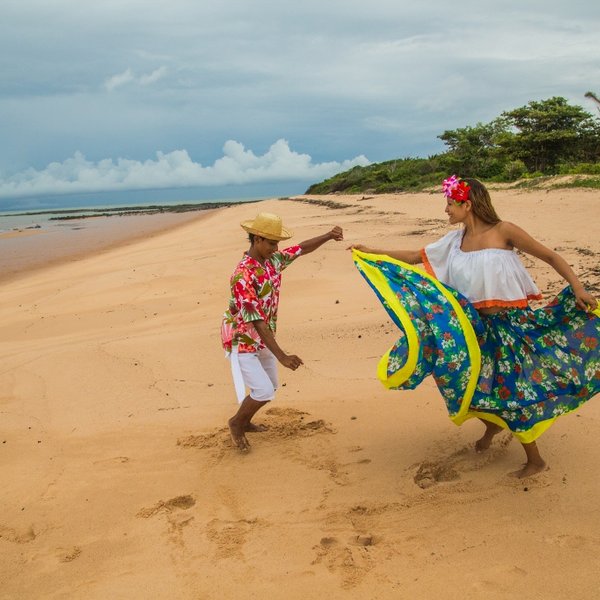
[25, 250]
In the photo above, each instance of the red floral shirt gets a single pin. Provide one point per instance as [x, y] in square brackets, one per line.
[254, 296]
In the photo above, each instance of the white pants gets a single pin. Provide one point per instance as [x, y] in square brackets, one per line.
[256, 371]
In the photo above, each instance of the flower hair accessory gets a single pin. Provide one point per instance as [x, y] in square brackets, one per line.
[456, 189]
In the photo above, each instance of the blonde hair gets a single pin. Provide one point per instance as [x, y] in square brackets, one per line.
[481, 202]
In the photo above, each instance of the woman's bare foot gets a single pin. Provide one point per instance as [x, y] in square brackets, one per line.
[237, 436]
[535, 463]
[484, 442]
[252, 428]
[529, 469]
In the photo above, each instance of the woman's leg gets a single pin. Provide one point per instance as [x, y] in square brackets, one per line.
[535, 463]
[491, 429]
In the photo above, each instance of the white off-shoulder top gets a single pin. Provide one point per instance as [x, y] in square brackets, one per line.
[493, 277]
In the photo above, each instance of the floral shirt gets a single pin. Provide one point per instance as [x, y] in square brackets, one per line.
[254, 296]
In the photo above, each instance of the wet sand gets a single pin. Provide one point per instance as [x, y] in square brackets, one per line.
[25, 250]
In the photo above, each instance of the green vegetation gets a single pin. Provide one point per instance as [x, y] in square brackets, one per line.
[530, 143]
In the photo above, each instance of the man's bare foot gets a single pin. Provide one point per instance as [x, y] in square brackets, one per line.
[484, 442]
[237, 436]
[529, 469]
[251, 427]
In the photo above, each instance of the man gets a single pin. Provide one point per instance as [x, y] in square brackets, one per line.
[249, 324]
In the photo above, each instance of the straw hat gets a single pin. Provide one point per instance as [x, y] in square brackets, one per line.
[267, 225]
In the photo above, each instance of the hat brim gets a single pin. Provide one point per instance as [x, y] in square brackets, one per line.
[286, 234]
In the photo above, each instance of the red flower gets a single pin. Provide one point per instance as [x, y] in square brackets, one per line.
[537, 376]
[504, 393]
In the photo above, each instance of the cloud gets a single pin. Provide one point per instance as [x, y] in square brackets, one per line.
[112, 83]
[153, 77]
[176, 169]
[128, 76]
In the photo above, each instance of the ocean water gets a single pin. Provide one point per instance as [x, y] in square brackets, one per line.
[15, 220]
[29, 241]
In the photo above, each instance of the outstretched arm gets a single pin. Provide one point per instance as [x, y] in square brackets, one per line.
[310, 245]
[412, 257]
[519, 238]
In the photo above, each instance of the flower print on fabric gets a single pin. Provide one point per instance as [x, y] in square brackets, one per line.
[254, 296]
[519, 368]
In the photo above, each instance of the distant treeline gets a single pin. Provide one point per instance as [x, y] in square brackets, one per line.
[541, 139]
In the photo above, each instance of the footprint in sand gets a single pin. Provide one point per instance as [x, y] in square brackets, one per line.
[463, 460]
[66, 556]
[280, 423]
[352, 561]
[230, 537]
[179, 502]
[12, 535]
[430, 473]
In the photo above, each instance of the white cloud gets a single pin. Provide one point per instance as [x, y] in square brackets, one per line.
[153, 77]
[128, 76]
[176, 169]
[112, 83]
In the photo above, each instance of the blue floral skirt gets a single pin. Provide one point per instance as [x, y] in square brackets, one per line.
[520, 368]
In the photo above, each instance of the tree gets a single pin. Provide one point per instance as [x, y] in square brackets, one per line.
[594, 98]
[547, 133]
[475, 150]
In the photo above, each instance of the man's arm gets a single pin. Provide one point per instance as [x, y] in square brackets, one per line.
[291, 361]
[310, 245]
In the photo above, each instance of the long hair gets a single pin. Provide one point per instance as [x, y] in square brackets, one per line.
[481, 201]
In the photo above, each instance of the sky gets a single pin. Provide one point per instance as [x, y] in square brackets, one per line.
[123, 100]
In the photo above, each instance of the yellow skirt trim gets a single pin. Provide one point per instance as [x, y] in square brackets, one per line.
[379, 281]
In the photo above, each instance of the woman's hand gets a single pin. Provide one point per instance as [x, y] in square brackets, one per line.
[585, 300]
[360, 247]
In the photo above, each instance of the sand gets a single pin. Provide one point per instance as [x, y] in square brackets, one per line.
[120, 481]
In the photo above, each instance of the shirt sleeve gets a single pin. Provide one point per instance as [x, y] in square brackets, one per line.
[436, 256]
[244, 299]
[284, 258]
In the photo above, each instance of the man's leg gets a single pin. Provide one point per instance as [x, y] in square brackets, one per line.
[240, 422]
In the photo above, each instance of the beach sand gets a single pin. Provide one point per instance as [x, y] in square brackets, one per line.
[120, 481]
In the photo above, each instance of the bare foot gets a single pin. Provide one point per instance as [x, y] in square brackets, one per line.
[237, 437]
[529, 469]
[256, 428]
[483, 443]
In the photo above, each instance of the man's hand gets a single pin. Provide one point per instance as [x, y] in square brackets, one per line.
[291, 361]
[336, 234]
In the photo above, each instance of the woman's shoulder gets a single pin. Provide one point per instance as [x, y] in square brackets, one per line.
[507, 228]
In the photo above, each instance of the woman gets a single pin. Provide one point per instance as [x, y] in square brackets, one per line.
[467, 321]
